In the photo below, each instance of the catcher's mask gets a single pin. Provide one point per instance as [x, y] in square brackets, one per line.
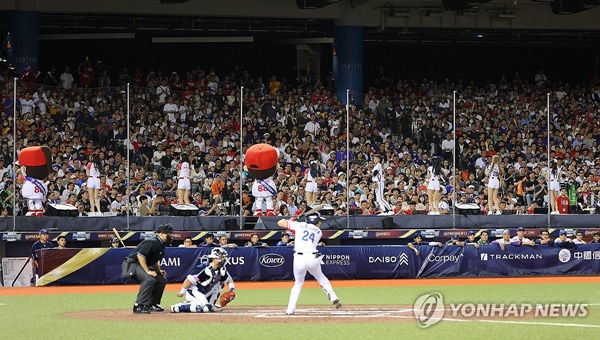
[220, 254]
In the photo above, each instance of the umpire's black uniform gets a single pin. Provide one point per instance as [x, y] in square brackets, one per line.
[141, 263]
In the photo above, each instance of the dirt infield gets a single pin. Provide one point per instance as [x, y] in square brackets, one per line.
[263, 314]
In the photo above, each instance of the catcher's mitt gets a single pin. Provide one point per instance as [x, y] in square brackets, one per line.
[226, 298]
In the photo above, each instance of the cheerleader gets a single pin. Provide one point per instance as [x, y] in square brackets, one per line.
[434, 174]
[183, 180]
[554, 179]
[494, 172]
[93, 183]
[312, 189]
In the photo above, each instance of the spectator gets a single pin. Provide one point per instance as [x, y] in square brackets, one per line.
[454, 241]
[521, 239]
[81, 209]
[62, 242]
[285, 240]
[506, 241]
[471, 239]
[479, 118]
[255, 242]
[563, 202]
[484, 237]
[563, 241]
[143, 209]
[578, 237]
[66, 79]
[187, 243]
[114, 242]
[544, 238]
[158, 207]
[418, 241]
[118, 206]
[223, 242]
[209, 241]
[595, 238]
[216, 189]
[540, 195]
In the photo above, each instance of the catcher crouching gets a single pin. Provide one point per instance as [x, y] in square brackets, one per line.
[202, 289]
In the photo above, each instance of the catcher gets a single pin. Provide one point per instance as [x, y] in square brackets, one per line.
[202, 290]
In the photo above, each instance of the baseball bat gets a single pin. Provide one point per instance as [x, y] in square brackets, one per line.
[119, 237]
[314, 209]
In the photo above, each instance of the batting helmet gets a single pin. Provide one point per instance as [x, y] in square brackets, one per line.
[314, 218]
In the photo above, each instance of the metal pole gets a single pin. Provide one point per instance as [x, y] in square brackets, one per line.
[14, 165]
[241, 166]
[548, 152]
[128, 164]
[348, 158]
[453, 182]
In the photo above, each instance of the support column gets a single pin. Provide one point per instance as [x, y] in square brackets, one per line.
[348, 62]
[22, 40]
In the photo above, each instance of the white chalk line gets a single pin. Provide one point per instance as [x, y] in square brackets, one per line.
[539, 323]
[395, 314]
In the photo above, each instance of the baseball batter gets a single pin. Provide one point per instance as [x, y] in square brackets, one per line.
[202, 289]
[307, 258]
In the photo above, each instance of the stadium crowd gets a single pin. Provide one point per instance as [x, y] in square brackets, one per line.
[405, 121]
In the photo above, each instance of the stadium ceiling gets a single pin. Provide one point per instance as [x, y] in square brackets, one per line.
[269, 28]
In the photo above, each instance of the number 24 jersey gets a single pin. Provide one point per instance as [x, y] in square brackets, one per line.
[307, 236]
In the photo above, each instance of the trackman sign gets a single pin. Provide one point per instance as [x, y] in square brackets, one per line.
[486, 256]
[271, 260]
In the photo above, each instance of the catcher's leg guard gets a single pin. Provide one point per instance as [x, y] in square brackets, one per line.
[184, 308]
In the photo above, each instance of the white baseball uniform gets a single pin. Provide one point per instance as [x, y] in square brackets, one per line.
[261, 192]
[306, 259]
[184, 176]
[34, 191]
[380, 180]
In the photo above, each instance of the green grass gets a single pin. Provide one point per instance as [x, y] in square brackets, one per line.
[28, 317]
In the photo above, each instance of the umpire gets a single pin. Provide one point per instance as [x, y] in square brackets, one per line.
[142, 265]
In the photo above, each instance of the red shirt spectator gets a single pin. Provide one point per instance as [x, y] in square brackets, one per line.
[562, 202]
